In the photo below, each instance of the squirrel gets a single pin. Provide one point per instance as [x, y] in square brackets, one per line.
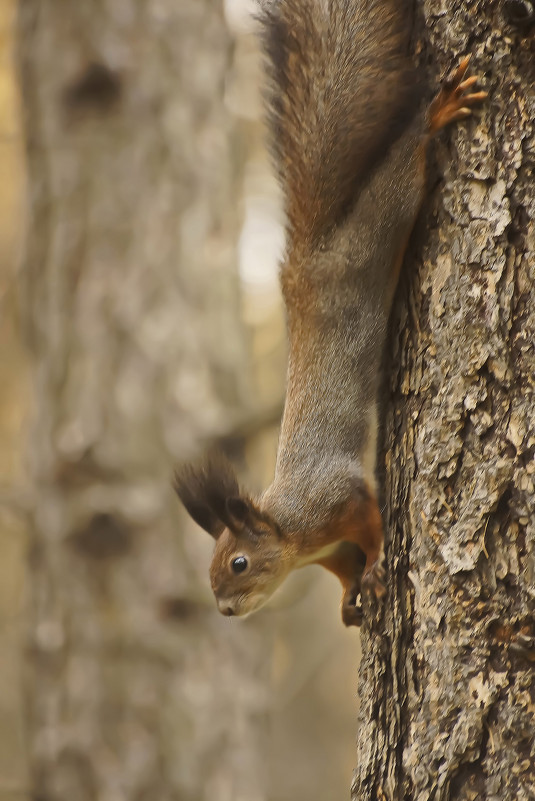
[349, 134]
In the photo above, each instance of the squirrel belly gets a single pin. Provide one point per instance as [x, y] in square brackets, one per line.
[349, 138]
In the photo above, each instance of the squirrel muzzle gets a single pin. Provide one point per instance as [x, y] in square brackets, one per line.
[247, 567]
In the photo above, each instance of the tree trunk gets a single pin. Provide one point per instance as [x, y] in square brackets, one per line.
[135, 690]
[447, 682]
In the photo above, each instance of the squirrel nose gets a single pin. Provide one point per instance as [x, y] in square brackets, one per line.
[228, 611]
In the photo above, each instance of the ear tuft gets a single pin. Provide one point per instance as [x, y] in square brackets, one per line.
[204, 490]
[239, 509]
[189, 486]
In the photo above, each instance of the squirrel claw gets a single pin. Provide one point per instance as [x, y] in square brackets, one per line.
[453, 80]
[464, 85]
[373, 580]
[352, 615]
[452, 103]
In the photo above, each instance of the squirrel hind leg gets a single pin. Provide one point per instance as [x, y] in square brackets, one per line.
[454, 100]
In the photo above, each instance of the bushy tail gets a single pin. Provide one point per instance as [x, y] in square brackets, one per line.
[342, 88]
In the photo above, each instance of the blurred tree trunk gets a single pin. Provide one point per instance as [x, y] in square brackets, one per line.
[135, 689]
[447, 682]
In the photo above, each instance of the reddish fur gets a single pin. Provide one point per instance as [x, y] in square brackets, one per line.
[351, 154]
[358, 522]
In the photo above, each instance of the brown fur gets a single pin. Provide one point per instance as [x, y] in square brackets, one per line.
[342, 89]
[350, 147]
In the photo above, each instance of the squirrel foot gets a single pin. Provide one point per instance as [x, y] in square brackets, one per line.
[452, 103]
[373, 580]
[351, 614]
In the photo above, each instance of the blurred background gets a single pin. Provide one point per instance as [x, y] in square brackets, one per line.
[140, 323]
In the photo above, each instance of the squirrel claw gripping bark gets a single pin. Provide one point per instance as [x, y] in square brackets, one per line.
[452, 103]
[373, 580]
[352, 615]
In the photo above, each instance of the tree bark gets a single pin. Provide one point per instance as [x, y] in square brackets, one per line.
[135, 690]
[447, 680]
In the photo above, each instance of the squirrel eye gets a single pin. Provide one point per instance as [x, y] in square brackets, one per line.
[239, 564]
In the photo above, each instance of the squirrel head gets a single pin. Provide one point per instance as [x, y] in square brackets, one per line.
[249, 556]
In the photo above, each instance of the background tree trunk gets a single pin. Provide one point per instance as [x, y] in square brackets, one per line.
[135, 689]
[447, 682]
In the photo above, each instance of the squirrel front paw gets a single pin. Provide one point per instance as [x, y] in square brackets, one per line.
[351, 614]
[373, 580]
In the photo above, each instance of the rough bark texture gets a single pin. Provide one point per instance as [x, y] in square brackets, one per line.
[135, 689]
[447, 690]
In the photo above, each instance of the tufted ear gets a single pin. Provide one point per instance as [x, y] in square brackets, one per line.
[204, 491]
[189, 487]
[239, 510]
